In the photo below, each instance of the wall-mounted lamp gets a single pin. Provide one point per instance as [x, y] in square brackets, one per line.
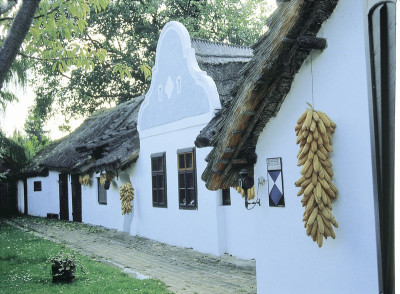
[246, 181]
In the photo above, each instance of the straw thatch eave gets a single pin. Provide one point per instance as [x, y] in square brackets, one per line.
[106, 141]
[258, 95]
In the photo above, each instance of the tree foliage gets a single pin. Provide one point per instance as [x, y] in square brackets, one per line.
[12, 156]
[49, 36]
[128, 31]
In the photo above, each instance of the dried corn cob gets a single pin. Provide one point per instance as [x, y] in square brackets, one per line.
[314, 131]
[126, 196]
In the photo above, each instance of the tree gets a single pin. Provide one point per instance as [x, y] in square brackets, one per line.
[12, 156]
[129, 30]
[48, 35]
[16, 35]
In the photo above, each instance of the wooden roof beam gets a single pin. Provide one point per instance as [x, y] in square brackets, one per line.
[248, 130]
[308, 42]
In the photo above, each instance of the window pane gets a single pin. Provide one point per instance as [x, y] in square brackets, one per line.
[161, 200]
[155, 197]
[226, 197]
[182, 197]
[37, 186]
[154, 164]
[181, 161]
[181, 180]
[154, 181]
[190, 197]
[189, 160]
[189, 180]
[160, 163]
[159, 185]
[160, 181]
[102, 193]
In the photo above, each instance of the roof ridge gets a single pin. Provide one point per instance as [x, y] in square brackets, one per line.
[221, 44]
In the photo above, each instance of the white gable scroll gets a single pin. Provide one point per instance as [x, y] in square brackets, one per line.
[180, 94]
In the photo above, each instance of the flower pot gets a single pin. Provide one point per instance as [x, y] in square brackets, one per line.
[61, 273]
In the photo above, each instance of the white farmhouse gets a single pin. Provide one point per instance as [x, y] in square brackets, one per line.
[219, 116]
[339, 56]
[149, 143]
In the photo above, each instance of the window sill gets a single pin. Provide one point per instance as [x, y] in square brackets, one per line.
[188, 208]
[160, 206]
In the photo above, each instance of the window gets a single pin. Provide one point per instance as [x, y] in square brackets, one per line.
[226, 196]
[187, 178]
[37, 186]
[159, 180]
[102, 193]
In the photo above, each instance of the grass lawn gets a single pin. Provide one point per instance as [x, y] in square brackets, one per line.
[23, 259]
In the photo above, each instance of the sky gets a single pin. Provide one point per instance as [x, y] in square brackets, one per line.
[16, 113]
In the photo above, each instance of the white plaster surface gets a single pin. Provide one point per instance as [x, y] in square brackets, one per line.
[20, 197]
[287, 259]
[179, 89]
[108, 215]
[46, 201]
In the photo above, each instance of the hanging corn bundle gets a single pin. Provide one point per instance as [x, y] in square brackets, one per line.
[84, 180]
[126, 196]
[314, 131]
[102, 179]
[250, 192]
[106, 177]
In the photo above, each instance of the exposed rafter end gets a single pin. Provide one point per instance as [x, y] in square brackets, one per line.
[215, 171]
[308, 42]
[249, 113]
[239, 161]
[237, 132]
[229, 150]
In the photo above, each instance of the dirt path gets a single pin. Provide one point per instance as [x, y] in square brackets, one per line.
[183, 270]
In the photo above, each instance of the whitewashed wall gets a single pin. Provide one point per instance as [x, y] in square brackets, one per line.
[347, 264]
[41, 203]
[20, 196]
[170, 118]
[239, 227]
[108, 215]
[186, 228]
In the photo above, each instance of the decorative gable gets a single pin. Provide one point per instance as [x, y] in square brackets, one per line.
[180, 94]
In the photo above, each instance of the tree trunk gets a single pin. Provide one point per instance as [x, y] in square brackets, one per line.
[16, 36]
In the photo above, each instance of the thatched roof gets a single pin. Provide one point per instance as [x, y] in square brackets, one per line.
[222, 62]
[261, 89]
[108, 140]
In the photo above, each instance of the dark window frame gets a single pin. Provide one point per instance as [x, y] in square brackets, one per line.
[226, 197]
[159, 187]
[37, 186]
[99, 189]
[187, 172]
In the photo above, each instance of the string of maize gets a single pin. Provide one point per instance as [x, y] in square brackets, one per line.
[126, 196]
[84, 180]
[314, 131]
[250, 192]
[106, 177]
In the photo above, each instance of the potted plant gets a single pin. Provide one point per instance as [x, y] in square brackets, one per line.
[63, 267]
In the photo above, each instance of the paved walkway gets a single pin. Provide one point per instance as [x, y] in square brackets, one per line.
[183, 270]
